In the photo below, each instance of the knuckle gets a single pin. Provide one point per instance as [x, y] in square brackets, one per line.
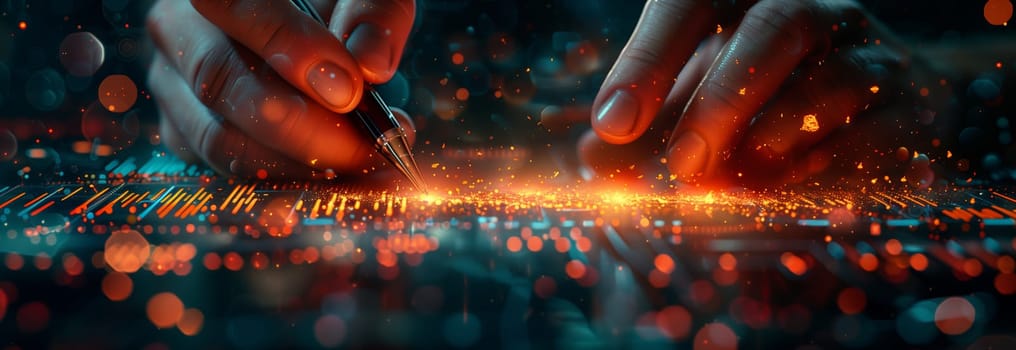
[790, 21]
[212, 72]
[727, 96]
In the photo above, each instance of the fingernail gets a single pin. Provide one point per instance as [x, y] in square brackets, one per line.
[369, 45]
[687, 155]
[617, 115]
[332, 83]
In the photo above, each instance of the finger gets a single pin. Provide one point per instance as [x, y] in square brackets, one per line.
[173, 141]
[643, 159]
[771, 40]
[375, 32]
[301, 50]
[822, 100]
[632, 94]
[222, 146]
[256, 101]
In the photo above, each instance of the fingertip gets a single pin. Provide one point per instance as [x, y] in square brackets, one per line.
[340, 88]
[687, 156]
[616, 118]
[371, 46]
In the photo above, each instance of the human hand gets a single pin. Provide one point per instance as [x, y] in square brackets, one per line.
[257, 88]
[800, 90]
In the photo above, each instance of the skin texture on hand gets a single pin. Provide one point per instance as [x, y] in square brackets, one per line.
[777, 91]
[258, 88]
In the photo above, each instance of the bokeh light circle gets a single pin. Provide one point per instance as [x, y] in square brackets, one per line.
[118, 93]
[164, 309]
[954, 316]
[45, 90]
[715, 336]
[998, 12]
[126, 251]
[82, 54]
[674, 322]
[191, 322]
[329, 330]
[117, 286]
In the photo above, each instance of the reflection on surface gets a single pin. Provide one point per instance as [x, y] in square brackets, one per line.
[269, 265]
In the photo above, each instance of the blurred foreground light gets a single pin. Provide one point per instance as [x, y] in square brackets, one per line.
[715, 336]
[126, 251]
[81, 54]
[164, 309]
[954, 316]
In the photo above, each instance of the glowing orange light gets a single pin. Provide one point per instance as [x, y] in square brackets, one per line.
[514, 244]
[996, 12]
[664, 263]
[461, 94]
[874, 89]
[794, 263]
[972, 267]
[458, 58]
[918, 262]
[893, 247]
[117, 286]
[728, 262]
[191, 322]
[575, 269]
[22, 25]
[126, 251]
[118, 93]
[868, 262]
[164, 309]
[851, 301]
[810, 123]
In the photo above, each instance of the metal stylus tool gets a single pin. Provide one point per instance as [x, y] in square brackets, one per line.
[388, 135]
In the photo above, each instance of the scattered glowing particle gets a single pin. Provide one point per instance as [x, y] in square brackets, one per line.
[954, 316]
[22, 25]
[458, 58]
[874, 89]
[742, 91]
[998, 65]
[164, 309]
[924, 92]
[719, 29]
[810, 123]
